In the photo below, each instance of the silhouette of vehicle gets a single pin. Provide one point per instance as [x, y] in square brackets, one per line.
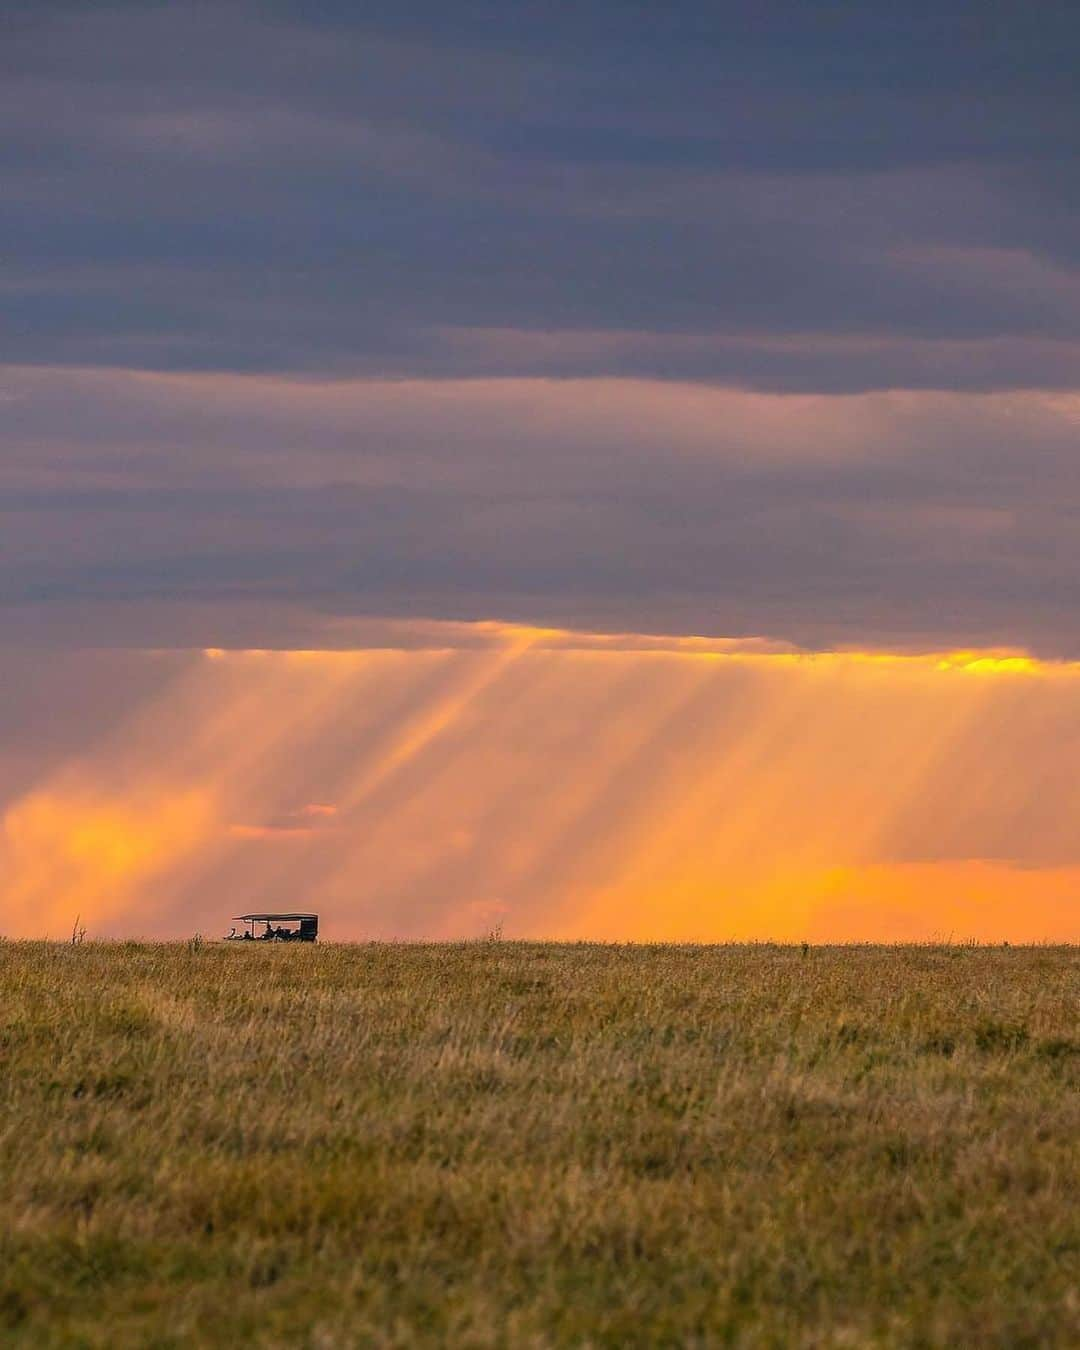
[300, 928]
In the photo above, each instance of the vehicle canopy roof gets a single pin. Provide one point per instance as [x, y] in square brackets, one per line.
[261, 918]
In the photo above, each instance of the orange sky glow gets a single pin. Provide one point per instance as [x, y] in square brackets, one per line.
[437, 780]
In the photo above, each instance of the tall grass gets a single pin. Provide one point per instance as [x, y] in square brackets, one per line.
[532, 1145]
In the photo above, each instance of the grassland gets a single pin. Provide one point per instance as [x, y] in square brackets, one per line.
[533, 1145]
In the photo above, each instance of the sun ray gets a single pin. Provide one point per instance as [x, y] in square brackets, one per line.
[578, 784]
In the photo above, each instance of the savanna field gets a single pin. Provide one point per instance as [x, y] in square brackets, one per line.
[504, 1144]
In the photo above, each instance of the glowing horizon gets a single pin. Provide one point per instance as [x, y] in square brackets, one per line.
[447, 777]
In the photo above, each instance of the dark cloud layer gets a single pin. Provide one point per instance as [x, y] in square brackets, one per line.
[724, 318]
[910, 519]
[375, 188]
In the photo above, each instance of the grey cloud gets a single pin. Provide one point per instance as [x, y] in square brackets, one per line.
[499, 270]
[249, 187]
[901, 519]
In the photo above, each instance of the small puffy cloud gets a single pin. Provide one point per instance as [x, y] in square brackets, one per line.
[306, 822]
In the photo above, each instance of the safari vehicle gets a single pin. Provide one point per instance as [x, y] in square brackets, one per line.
[276, 928]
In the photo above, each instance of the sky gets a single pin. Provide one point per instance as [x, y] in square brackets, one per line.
[601, 469]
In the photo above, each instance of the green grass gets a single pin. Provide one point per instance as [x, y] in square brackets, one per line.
[532, 1145]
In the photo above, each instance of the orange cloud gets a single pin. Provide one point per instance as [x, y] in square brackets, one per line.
[71, 855]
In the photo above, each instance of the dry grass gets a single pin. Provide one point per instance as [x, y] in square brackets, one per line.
[532, 1145]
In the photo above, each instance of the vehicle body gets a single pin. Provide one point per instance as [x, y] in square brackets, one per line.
[276, 928]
